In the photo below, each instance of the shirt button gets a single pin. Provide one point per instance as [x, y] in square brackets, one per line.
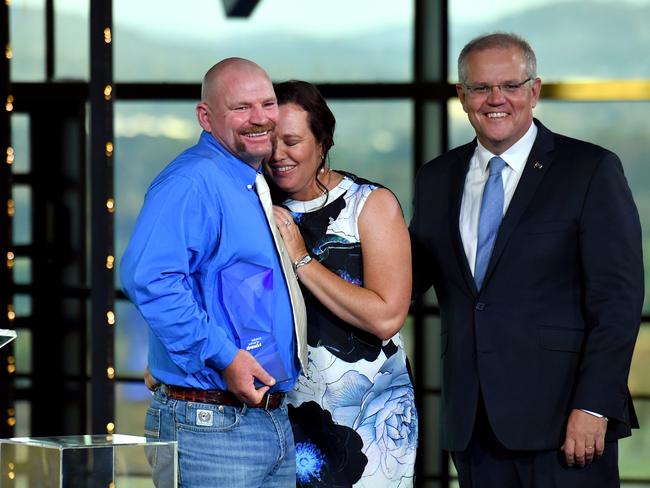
[479, 306]
[250, 187]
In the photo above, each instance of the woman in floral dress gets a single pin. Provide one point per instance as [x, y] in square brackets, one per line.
[353, 410]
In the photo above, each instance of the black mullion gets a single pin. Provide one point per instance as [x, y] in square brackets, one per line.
[49, 40]
[102, 335]
[7, 418]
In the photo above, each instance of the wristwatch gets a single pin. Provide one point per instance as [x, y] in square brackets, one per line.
[306, 259]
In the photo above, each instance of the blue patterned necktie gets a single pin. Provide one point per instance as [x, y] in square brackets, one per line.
[489, 218]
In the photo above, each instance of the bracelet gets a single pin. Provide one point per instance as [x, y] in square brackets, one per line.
[306, 259]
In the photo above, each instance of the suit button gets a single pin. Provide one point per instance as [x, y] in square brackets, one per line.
[479, 306]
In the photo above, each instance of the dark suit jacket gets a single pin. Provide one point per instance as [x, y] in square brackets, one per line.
[555, 324]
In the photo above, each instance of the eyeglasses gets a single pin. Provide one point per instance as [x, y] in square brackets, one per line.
[506, 88]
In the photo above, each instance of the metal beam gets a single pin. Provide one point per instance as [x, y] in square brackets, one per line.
[430, 137]
[7, 361]
[29, 94]
[49, 40]
[101, 205]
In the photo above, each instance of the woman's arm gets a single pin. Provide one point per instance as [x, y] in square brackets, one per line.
[381, 305]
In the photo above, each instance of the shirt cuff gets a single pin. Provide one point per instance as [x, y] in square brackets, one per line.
[223, 357]
[595, 414]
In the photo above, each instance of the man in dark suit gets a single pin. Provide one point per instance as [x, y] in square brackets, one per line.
[533, 244]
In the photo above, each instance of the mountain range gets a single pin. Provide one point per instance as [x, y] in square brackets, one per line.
[574, 39]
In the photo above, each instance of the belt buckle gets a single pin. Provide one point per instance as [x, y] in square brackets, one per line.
[268, 399]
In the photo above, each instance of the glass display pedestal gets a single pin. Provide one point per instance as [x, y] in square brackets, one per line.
[6, 336]
[87, 461]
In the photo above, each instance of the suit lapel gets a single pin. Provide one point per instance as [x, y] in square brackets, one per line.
[457, 185]
[538, 163]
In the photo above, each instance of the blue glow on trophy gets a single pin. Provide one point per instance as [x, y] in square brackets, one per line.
[245, 292]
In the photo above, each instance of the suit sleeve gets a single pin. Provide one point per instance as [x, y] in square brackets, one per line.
[421, 258]
[612, 261]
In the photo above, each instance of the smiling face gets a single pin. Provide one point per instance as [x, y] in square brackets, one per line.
[239, 109]
[296, 156]
[499, 119]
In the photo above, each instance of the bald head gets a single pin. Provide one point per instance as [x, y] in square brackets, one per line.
[238, 107]
[226, 69]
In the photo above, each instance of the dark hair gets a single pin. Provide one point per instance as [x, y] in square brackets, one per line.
[320, 117]
[502, 40]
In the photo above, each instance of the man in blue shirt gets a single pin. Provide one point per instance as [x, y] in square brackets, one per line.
[201, 263]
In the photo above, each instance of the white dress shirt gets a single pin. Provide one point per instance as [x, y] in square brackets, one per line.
[477, 175]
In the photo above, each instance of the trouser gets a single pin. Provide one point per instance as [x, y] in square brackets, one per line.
[486, 463]
[221, 445]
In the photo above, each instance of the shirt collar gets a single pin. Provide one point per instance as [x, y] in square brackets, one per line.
[241, 171]
[515, 156]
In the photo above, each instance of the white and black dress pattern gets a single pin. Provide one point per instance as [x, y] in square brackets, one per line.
[353, 413]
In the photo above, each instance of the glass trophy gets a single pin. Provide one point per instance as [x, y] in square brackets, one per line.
[6, 336]
[245, 293]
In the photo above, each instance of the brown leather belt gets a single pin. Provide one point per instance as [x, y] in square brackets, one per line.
[270, 401]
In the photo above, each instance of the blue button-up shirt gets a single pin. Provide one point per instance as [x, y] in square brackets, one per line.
[200, 216]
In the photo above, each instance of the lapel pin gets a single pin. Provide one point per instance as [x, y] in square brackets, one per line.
[538, 166]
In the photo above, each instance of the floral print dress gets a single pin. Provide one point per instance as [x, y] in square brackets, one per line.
[353, 413]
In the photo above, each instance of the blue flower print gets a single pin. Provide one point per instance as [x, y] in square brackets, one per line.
[327, 454]
[383, 414]
[297, 217]
[309, 462]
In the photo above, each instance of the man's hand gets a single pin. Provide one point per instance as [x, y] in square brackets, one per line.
[240, 376]
[585, 438]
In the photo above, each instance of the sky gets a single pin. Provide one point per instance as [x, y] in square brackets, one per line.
[324, 19]
[201, 18]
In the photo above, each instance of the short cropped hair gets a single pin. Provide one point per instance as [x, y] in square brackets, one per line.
[502, 40]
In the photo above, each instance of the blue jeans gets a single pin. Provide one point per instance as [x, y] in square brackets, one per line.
[222, 446]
